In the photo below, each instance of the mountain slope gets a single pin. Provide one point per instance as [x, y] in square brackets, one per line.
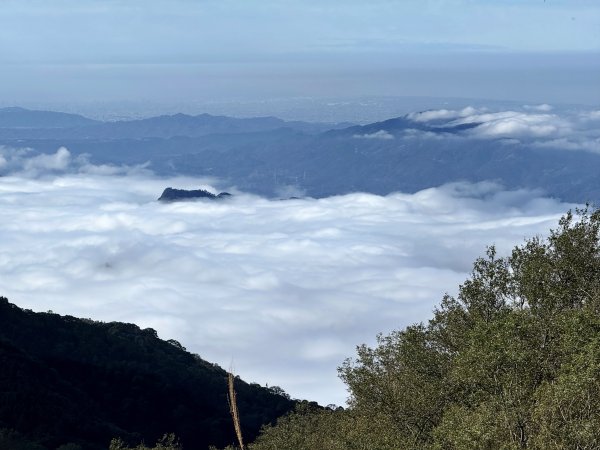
[64, 379]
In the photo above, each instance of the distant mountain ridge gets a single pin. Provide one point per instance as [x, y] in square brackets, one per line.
[271, 157]
[398, 125]
[19, 123]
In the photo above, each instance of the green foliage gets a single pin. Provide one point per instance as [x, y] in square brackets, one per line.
[167, 442]
[279, 391]
[512, 362]
[403, 380]
[567, 413]
[70, 447]
[12, 440]
[310, 428]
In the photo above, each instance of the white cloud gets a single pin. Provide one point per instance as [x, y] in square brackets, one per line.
[58, 161]
[534, 125]
[439, 114]
[414, 134]
[286, 289]
[515, 124]
[544, 107]
[590, 145]
[381, 134]
[590, 115]
[29, 163]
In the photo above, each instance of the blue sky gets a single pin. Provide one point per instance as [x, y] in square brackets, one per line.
[201, 49]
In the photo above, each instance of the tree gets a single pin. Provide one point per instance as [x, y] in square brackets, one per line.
[167, 442]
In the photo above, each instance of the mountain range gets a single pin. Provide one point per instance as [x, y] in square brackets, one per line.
[272, 157]
[20, 123]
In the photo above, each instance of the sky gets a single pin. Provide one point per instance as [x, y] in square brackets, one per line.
[199, 50]
[282, 291]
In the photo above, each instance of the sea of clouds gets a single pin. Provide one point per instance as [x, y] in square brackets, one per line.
[283, 290]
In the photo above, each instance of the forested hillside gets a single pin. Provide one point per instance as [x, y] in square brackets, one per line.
[512, 362]
[67, 380]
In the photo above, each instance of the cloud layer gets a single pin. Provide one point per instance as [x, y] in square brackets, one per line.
[283, 289]
[29, 163]
[381, 134]
[536, 125]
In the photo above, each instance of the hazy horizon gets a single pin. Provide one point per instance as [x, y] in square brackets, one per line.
[182, 51]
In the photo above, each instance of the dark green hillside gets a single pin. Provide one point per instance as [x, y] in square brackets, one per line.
[68, 380]
[513, 362]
